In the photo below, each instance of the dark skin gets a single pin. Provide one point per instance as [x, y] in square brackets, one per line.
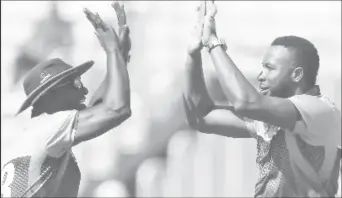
[123, 38]
[115, 106]
[280, 78]
[65, 97]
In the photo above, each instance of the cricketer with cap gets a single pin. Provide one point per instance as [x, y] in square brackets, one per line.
[297, 129]
[60, 120]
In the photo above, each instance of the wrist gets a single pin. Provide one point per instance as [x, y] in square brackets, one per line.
[212, 38]
[209, 40]
[112, 51]
[216, 43]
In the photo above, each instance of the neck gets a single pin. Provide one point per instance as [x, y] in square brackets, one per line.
[299, 91]
[307, 90]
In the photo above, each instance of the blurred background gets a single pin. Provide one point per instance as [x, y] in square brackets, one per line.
[154, 153]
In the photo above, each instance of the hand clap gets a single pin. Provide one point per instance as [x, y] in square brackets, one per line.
[209, 27]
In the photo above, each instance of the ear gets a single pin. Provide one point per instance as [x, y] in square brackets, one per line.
[297, 74]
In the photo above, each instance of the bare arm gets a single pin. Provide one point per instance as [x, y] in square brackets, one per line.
[124, 44]
[115, 108]
[202, 114]
[194, 85]
[100, 92]
[245, 98]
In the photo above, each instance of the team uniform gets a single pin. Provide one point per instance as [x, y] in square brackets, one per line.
[304, 162]
[41, 162]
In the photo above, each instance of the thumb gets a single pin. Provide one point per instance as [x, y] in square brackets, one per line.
[97, 35]
[125, 30]
[114, 33]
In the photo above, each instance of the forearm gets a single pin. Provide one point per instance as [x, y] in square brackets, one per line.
[117, 90]
[234, 84]
[99, 93]
[194, 85]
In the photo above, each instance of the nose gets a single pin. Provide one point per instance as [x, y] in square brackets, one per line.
[261, 76]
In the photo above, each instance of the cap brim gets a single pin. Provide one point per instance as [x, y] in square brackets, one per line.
[73, 72]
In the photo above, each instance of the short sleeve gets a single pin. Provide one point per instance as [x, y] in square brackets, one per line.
[252, 127]
[59, 131]
[320, 122]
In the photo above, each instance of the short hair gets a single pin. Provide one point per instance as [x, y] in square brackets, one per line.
[306, 55]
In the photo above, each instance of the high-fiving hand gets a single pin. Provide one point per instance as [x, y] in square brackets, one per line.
[204, 29]
[195, 43]
[209, 27]
[124, 41]
[106, 35]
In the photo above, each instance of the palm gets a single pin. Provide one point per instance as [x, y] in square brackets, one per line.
[209, 28]
[124, 38]
[195, 43]
[106, 35]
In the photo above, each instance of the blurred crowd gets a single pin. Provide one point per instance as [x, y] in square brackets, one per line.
[154, 153]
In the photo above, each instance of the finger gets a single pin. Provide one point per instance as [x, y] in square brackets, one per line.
[100, 23]
[96, 20]
[114, 32]
[104, 26]
[117, 8]
[122, 16]
[212, 11]
[116, 5]
[90, 16]
[205, 8]
[99, 32]
[200, 12]
[123, 32]
[87, 12]
[120, 13]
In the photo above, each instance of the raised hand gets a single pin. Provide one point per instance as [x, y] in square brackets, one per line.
[195, 44]
[120, 13]
[95, 20]
[107, 36]
[209, 27]
[124, 38]
[108, 39]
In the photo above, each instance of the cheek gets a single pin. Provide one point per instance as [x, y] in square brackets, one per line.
[273, 76]
[68, 96]
[277, 78]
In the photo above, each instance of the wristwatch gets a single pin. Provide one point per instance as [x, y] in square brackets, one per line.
[216, 42]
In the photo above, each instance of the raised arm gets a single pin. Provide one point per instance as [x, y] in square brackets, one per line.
[246, 100]
[115, 107]
[124, 43]
[202, 114]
